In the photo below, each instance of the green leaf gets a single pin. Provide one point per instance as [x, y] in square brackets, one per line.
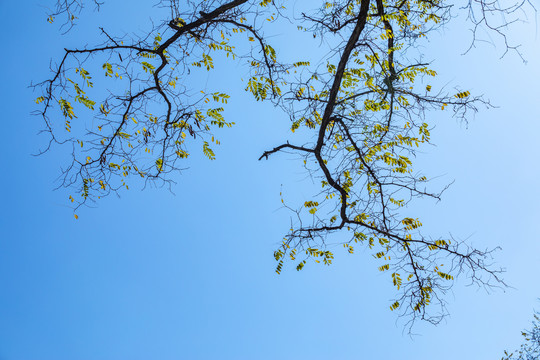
[208, 151]
[159, 164]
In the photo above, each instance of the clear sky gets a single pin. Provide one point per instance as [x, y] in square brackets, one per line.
[152, 275]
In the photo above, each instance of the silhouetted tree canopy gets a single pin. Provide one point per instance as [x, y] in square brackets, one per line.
[364, 106]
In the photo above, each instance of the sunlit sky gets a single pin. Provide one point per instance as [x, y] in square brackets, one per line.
[190, 275]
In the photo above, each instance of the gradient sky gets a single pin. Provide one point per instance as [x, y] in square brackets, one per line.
[152, 275]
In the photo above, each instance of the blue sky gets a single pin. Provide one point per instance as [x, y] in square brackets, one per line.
[191, 275]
